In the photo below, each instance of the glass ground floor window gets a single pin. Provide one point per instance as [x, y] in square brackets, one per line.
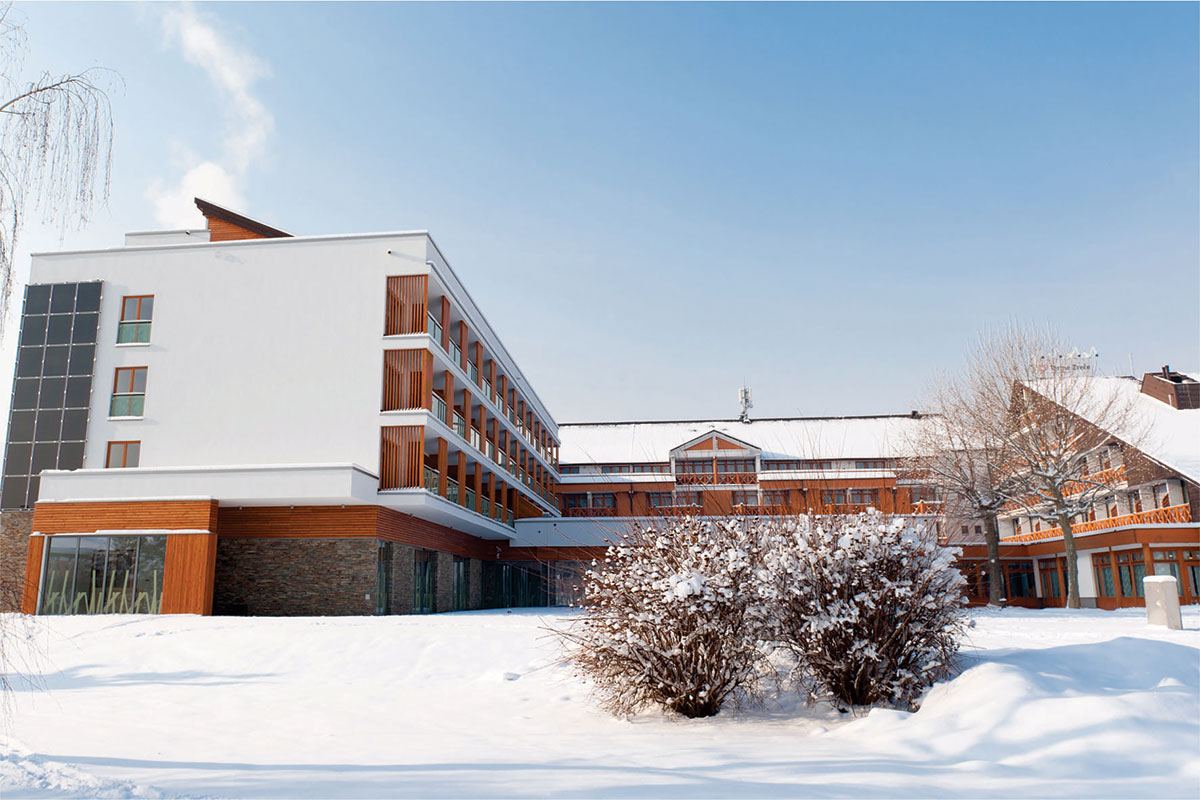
[103, 574]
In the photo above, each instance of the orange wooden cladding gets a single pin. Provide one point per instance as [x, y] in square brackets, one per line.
[220, 230]
[33, 574]
[401, 456]
[188, 574]
[1155, 516]
[407, 300]
[51, 518]
[405, 378]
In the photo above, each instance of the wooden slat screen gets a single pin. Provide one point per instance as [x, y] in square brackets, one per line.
[406, 302]
[401, 463]
[405, 376]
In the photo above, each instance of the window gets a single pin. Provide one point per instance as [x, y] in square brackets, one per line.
[651, 467]
[693, 467]
[1102, 564]
[833, 497]
[135, 320]
[923, 494]
[775, 497]
[424, 578]
[778, 465]
[129, 392]
[688, 499]
[1020, 579]
[745, 498]
[876, 464]
[660, 499]
[1130, 571]
[568, 470]
[727, 465]
[123, 454]
[604, 501]
[104, 575]
[864, 497]
[575, 501]
[1165, 563]
[817, 465]
[614, 468]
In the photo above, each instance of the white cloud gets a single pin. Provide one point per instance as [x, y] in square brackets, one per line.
[233, 71]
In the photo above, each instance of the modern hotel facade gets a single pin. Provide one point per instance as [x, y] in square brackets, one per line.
[235, 420]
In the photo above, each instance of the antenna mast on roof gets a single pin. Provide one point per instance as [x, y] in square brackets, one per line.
[746, 403]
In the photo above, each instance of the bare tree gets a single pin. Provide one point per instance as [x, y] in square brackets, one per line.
[1048, 421]
[55, 147]
[951, 453]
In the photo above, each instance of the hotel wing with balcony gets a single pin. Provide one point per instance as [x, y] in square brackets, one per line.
[1145, 520]
[243, 420]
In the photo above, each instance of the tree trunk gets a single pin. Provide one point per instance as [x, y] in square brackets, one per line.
[991, 535]
[1072, 576]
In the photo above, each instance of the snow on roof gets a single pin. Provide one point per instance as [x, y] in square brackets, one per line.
[807, 437]
[1170, 436]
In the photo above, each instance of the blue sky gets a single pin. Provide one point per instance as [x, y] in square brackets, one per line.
[655, 203]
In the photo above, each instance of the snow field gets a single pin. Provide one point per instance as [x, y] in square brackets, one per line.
[1049, 704]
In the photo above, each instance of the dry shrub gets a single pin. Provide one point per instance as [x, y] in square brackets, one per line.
[871, 607]
[671, 618]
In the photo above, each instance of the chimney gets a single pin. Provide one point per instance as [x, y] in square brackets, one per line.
[1173, 388]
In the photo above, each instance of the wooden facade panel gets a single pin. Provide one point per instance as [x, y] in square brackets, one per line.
[394, 526]
[52, 518]
[552, 553]
[33, 574]
[406, 379]
[407, 304]
[188, 575]
[300, 522]
[401, 457]
[220, 230]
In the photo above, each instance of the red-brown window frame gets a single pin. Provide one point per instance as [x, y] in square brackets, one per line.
[108, 453]
[133, 374]
[139, 297]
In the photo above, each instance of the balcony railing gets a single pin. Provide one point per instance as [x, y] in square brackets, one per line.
[456, 353]
[435, 329]
[709, 478]
[439, 408]
[452, 491]
[470, 500]
[431, 480]
[1155, 516]
[473, 372]
[476, 440]
[485, 507]
[589, 512]
[487, 390]
[460, 425]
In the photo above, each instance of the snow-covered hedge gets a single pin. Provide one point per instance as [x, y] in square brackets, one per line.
[672, 618]
[871, 606]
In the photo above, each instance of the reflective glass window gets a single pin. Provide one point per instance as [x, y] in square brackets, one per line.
[119, 582]
[89, 575]
[62, 297]
[58, 582]
[37, 299]
[152, 558]
[58, 330]
[56, 361]
[51, 394]
[81, 359]
[25, 393]
[33, 330]
[88, 297]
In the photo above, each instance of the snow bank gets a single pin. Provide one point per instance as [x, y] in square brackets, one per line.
[1050, 703]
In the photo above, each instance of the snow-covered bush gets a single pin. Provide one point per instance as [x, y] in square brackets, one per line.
[871, 606]
[671, 618]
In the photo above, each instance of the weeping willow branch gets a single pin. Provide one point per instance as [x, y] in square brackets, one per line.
[55, 148]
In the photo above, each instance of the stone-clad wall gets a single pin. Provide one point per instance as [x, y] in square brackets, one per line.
[296, 577]
[401, 600]
[15, 527]
[443, 583]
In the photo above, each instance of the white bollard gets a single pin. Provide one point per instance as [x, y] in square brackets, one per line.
[1162, 601]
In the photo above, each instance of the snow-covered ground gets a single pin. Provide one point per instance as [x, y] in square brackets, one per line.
[1050, 703]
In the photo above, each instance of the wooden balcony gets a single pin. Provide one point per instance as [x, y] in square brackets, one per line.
[1157, 516]
[715, 479]
[589, 512]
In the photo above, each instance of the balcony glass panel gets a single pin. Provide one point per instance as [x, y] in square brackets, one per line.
[456, 353]
[470, 499]
[439, 408]
[435, 329]
[452, 491]
[460, 425]
[431, 480]
[473, 371]
[476, 439]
